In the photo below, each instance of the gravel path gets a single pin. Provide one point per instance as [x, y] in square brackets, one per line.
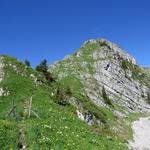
[141, 136]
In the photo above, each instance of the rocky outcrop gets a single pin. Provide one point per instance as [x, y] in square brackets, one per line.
[101, 64]
[2, 91]
[83, 114]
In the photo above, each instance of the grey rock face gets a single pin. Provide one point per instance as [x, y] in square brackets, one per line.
[87, 117]
[102, 68]
[2, 92]
[120, 87]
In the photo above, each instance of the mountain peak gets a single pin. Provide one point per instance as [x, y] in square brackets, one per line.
[104, 48]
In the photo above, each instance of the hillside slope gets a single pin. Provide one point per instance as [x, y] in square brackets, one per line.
[97, 93]
[51, 125]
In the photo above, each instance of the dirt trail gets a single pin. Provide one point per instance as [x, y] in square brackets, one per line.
[141, 134]
[22, 140]
[21, 144]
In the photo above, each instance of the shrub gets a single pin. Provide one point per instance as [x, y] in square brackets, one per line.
[105, 97]
[62, 95]
[124, 65]
[148, 98]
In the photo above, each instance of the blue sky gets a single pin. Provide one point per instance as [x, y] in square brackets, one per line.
[51, 29]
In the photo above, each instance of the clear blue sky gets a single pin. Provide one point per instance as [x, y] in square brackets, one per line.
[51, 29]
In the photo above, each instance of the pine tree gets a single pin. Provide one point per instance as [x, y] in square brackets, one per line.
[43, 67]
[27, 63]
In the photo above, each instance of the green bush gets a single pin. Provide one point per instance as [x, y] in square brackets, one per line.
[106, 98]
[124, 65]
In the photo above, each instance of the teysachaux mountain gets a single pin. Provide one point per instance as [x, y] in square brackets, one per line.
[100, 64]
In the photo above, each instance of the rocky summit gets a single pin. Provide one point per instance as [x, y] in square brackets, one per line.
[87, 101]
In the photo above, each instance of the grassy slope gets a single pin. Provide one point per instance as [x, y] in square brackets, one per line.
[58, 126]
